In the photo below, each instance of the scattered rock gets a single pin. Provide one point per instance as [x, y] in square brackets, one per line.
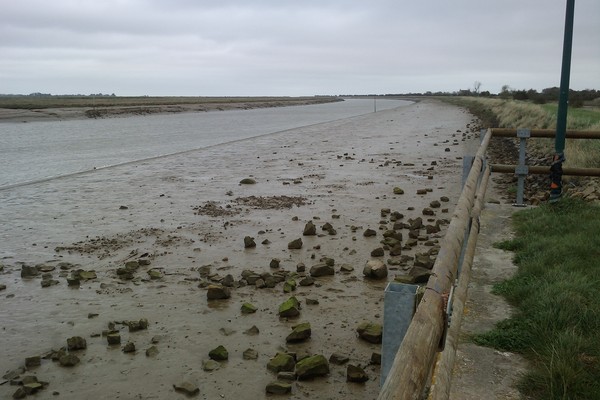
[299, 333]
[371, 332]
[247, 181]
[129, 347]
[435, 204]
[275, 263]
[210, 365]
[378, 252]
[310, 229]
[281, 362]
[289, 308]
[248, 308]
[249, 242]
[307, 281]
[287, 376]
[250, 354]
[47, 282]
[375, 269]
[2, 287]
[278, 387]
[76, 343]
[428, 211]
[321, 269]
[252, 331]
[396, 250]
[152, 351]
[415, 224]
[219, 353]
[187, 388]
[376, 358]
[155, 274]
[34, 361]
[135, 326]
[414, 275]
[346, 268]
[86, 275]
[68, 360]
[369, 233]
[19, 393]
[218, 292]
[311, 367]
[289, 286]
[113, 338]
[398, 190]
[295, 244]
[356, 374]
[338, 359]
[29, 272]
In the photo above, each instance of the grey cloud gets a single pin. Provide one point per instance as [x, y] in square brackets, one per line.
[291, 47]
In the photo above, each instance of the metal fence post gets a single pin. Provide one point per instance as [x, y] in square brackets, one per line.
[521, 170]
[399, 304]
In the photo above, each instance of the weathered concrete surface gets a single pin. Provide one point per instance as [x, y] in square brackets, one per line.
[481, 372]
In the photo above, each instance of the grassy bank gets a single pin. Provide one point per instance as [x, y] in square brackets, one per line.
[555, 292]
[521, 114]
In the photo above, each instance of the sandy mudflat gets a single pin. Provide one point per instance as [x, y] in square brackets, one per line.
[189, 211]
[69, 113]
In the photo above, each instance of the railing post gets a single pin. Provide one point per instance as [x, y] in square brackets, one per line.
[522, 170]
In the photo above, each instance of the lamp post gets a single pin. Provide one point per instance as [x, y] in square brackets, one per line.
[563, 105]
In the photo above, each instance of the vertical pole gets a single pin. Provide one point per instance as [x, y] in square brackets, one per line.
[522, 169]
[563, 104]
[375, 104]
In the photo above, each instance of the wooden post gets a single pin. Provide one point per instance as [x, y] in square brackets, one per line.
[412, 365]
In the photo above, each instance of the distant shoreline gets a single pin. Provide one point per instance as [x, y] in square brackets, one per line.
[125, 107]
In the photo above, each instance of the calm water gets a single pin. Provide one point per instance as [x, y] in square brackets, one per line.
[35, 151]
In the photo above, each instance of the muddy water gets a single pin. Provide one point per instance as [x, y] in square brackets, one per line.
[346, 168]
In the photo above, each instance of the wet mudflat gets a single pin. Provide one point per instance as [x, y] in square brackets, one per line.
[181, 221]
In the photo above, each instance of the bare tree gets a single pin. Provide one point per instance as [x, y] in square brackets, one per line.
[476, 87]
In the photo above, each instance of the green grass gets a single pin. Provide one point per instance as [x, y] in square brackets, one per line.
[583, 116]
[556, 292]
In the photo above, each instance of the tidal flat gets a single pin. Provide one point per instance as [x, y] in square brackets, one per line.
[151, 239]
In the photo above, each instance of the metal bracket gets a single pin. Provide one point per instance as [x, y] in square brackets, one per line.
[447, 314]
[523, 133]
[521, 170]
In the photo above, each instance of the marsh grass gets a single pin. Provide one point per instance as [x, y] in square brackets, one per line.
[556, 292]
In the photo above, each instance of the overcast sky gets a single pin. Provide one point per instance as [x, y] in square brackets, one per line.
[295, 47]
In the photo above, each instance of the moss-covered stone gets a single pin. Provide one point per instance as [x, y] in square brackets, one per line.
[281, 362]
[219, 354]
[299, 333]
[278, 387]
[312, 366]
[248, 308]
[371, 332]
[289, 308]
